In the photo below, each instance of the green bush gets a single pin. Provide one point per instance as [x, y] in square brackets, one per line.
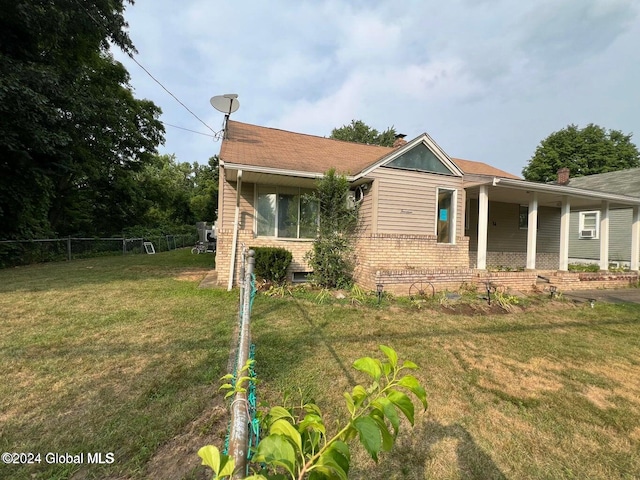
[272, 263]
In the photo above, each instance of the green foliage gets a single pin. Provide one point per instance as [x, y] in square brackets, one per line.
[585, 151]
[272, 263]
[584, 267]
[332, 256]
[240, 383]
[360, 132]
[297, 445]
[72, 135]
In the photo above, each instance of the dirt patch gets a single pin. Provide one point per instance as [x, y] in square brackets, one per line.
[190, 275]
[179, 457]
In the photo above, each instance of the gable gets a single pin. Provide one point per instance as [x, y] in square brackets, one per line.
[422, 154]
[421, 159]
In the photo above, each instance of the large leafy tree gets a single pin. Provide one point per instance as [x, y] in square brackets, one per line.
[71, 133]
[359, 132]
[204, 200]
[585, 151]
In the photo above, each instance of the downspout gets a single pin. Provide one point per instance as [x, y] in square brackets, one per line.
[234, 243]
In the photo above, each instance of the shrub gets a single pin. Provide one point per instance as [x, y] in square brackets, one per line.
[272, 263]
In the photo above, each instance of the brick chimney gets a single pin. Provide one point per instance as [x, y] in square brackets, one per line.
[400, 141]
[563, 176]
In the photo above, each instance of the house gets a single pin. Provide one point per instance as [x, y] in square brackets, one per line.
[585, 228]
[425, 217]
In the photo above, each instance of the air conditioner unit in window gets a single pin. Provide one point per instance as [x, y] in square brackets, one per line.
[587, 234]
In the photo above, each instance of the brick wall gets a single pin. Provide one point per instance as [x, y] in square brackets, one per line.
[544, 261]
[298, 249]
[592, 280]
[505, 281]
[397, 261]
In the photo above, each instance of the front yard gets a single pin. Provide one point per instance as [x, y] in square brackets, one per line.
[123, 355]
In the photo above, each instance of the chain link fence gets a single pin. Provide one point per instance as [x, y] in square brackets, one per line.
[25, 252]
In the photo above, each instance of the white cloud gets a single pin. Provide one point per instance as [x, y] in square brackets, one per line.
[488, 80]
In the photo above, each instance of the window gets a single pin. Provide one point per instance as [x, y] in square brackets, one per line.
[420, 158]
[523, 217]
[589, 225]
[285, 212]
[446, 216]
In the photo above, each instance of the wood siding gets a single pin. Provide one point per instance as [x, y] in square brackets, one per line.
[504, 234]
[619, 238]
[407, 200]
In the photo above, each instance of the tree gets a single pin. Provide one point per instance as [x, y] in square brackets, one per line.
[71, 133]
[360, 132]
[585, 151]
[332, 258]
[204, 201]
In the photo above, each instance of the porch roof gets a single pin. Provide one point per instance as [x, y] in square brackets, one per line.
[510, 190]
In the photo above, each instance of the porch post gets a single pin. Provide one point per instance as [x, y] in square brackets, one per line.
[532, 231]
[565, 216]
[635, 239]
[483, 220]
[604, 236]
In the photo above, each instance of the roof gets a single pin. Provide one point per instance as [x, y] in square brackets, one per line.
[479, 168]
[624, 182]
[247, 144]
[273, 148]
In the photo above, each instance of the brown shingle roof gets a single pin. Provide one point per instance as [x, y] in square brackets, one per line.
[269, 147]
[273, 148]
[479, 168]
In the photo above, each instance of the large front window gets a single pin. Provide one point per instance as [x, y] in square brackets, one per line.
[286, 212]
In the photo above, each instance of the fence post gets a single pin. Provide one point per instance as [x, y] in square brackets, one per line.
[124, 246]
[239, 434]
[69, 247]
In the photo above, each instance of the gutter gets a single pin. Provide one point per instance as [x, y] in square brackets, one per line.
[564, 190]
[236, 226]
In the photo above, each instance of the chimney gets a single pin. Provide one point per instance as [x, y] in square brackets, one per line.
[563, 176]
[400, 141]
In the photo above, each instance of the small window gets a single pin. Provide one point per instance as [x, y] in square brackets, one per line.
[301, 277]
[589, 225]
[523, 217]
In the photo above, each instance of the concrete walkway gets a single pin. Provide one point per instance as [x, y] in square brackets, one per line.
[622, 295]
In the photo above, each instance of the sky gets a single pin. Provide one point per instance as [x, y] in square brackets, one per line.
[488, 80]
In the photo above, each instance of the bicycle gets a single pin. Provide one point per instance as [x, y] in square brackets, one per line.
[199, 248]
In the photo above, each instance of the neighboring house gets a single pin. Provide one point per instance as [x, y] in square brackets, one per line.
[424, 215]
[584, 240]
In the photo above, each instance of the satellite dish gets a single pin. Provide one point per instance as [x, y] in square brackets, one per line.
[226, 104]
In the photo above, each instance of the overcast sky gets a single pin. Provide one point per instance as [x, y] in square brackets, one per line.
[487, 79]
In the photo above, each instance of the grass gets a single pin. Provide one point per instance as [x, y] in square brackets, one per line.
[113, 354]
[553, 393]
[120, 354]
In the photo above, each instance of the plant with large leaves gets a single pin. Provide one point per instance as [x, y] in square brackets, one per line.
[297, 445]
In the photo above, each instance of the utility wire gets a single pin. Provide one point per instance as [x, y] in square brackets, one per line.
[216, 135]
[189, 130]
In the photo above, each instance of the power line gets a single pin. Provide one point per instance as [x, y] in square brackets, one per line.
[216, 135]
[189, 130]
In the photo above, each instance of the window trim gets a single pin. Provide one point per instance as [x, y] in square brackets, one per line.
[454, 214]
[526, 226]
[277, 193]
[581, 226]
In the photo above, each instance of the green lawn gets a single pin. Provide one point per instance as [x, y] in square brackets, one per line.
[123, 354]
